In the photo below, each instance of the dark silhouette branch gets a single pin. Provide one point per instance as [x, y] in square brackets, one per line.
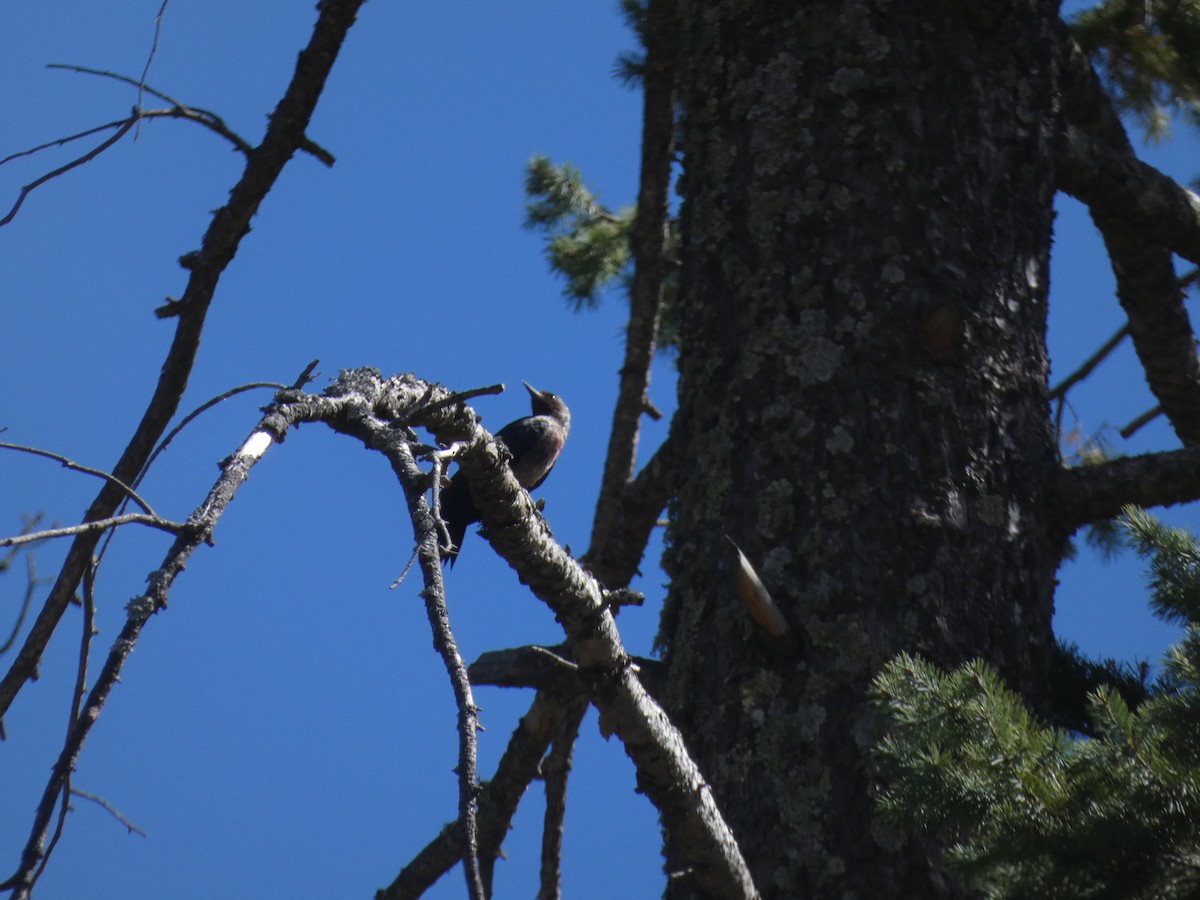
[284, 136]
[1136, 424]
[1089, 365]
[556, 770]
[500, 796]
[1147, 286]
[1118, 185]
[415, 482]
[649, 248]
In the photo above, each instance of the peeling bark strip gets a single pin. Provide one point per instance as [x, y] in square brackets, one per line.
[866, 232]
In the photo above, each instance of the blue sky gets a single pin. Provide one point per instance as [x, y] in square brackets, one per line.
[285, 728]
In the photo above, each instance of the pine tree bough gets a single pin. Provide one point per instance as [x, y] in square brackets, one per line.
[1147, 286]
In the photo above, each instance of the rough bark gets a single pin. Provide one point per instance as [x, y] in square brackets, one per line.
[866, 235]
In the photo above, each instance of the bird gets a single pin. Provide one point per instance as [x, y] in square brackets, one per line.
[534, 442]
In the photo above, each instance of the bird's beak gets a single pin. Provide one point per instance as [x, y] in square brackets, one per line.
[533, 392]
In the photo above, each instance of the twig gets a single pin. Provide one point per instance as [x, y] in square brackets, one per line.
[1089, 364]
[458, 397]
[94, 526]
[75, 163]
[71, 464]
[31, 585]
[110, 809]
[158, 24]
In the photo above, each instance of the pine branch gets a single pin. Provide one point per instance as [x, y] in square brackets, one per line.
[1117, 185]
[1147, 286]
[1102, 490]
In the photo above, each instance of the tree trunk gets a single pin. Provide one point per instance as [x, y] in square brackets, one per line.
[867, 219]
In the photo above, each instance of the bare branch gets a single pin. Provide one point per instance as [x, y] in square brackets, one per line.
[31, 585]
[556, 770]
[498, 801]
[1089, 365]
[425, 531]
[158, 24]
[616, 562]
[1136, 424]
[71, 464]
[98, 525]
[202, 521]
[122, 130]
[110, 809]
[230, 223]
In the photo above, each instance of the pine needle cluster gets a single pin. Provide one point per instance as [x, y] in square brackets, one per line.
[1025, 809]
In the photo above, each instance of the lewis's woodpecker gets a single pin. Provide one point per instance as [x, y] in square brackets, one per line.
[534, 443]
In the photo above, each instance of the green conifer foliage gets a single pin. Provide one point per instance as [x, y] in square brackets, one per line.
[1029, 810]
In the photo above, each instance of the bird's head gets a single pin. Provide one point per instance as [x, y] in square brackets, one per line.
[548, 404]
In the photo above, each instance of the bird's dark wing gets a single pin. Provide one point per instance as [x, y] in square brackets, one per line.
[534, 443]
[458, 512]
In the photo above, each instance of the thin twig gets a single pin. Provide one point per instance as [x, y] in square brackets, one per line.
[158, 24]
[1137, 424]
[60, 142]
[98, 525]
[75, 163]
[110, 809]
[71, 464]
[1090, 363]
[31, 585]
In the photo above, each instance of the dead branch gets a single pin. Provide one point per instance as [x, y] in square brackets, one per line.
[200, 525]
[71, 464]
[425, 531]
[284, 136]
[556, 770]
[498, 801]
[1089, 365]
[110, 809]
[99, 525]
